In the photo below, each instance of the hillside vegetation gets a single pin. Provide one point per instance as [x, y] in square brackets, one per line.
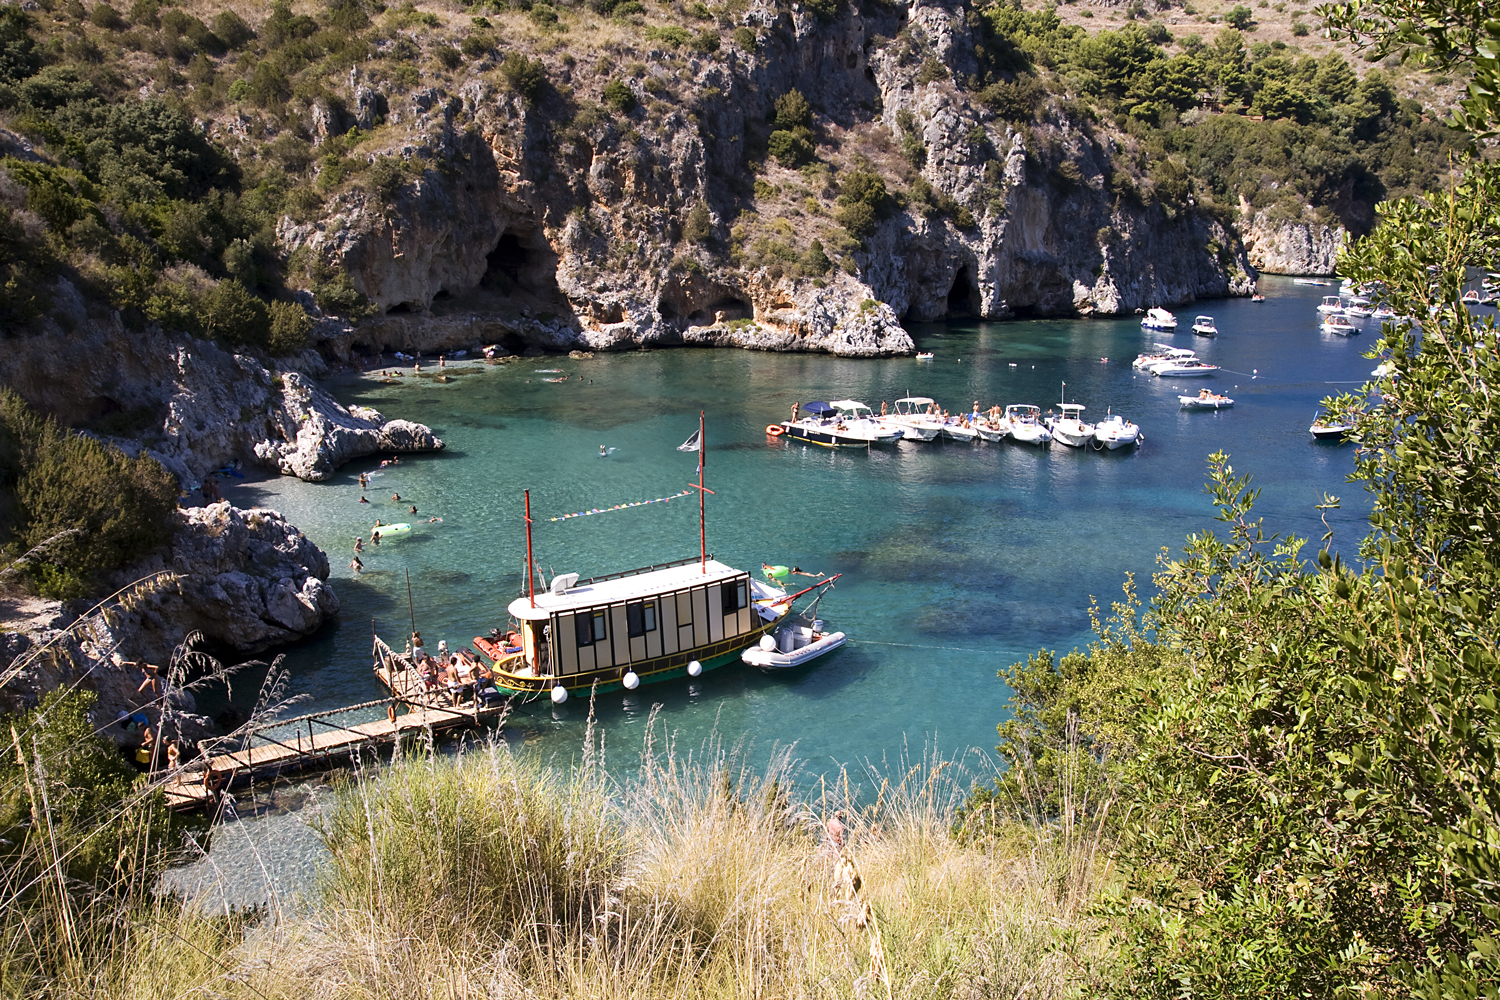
[165, 143]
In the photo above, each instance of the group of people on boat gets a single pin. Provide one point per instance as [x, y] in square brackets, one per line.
[453, 673]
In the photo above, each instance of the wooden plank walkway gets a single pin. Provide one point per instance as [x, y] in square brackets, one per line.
[322, 744]
[325, 743]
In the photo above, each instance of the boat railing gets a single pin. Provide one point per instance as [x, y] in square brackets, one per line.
[643, 569]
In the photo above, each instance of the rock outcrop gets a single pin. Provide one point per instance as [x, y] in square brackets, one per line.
[1297, 247]
[246, 579]
[193, 405]
[519, 229]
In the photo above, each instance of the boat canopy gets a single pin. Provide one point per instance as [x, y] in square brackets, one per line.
[851, 406]
[1074, 407]
[1023, 408]
[819, 409]
[1205, 320]
[916, 400]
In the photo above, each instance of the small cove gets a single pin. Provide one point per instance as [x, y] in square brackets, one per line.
[959, 559]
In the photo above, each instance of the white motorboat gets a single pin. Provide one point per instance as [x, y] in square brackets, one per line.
[1339, 325]
[1205, 400]
[1310, 281]
[1188, 368]
[1158, 319]
[992, 426]
[1331, 305]
[1068, 427]
[792, 645]
[924, 355]
[1203, 326]
[1359, 308]
[1163, 354]
[1024, 425]
[914, 419]
[1384, 312]
[842, 424]
[1326, 428]
[1114, 431]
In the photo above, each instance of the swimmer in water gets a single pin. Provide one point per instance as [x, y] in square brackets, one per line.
[413, 509]
[359, 545]
[364, 499]
[434, 520]
[603, 451]
[396, 497]
[356, 565]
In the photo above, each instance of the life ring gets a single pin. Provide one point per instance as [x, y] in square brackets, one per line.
[775, 430]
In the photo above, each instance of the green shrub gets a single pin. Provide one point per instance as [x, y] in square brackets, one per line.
[26, 266]
[864, 187]
[232, 28]
[524, 76]
[932, 71]
[699, 225]
[55, 481]
[744, 37]
[477, 44]
[1299, 29]
[672, 36]
[826, 11]
[104, 16]
[619, 96]
[19, 58]
[791, 149]
[544, 16]
[338, 297]
[858, 220]
[706, 41]
[448, 57]
[1240, 17]
[815, 261]
[290, 328]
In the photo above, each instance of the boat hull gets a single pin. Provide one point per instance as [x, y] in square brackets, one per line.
[664, 668]
[832, 438]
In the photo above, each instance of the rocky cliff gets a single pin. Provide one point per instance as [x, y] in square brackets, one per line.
[193, 405]
[1298, 246]
[561, 224]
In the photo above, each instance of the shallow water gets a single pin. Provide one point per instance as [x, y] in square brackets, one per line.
[958, 559]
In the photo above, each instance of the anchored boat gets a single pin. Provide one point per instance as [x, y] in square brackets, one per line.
[843, 424]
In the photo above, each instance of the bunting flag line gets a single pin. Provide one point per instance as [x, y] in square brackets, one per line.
[620, 506]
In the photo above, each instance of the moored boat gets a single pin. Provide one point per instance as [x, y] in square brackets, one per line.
[1331, 305]
[1339, 325]
[1189, 367]
[1205, 400]
[1326, 428]
[1024, 425]
[1158, 319]
[841, 424]
[795, 644]
[912, 417]
[1204, 326]
[1163, 354]
[1114, 431]
[1310, 281]
[1068, 427]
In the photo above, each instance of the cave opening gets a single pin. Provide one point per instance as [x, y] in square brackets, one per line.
[729, 309]
[962, 295]
[522, 264]
[402, 309]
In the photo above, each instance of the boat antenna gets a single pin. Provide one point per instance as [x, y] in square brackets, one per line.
[530, 572]
[410, 610]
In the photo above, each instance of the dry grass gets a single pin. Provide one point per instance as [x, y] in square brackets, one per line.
[487, 875]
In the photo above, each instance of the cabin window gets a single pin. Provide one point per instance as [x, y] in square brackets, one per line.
[734, 596]
[640, 618]
[590, 627]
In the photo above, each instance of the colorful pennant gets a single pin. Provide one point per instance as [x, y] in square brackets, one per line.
[620, 506]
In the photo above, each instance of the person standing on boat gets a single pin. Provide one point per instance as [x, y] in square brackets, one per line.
[796, 408]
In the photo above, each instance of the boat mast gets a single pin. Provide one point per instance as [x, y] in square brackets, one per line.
[530, 573]
[702, 515]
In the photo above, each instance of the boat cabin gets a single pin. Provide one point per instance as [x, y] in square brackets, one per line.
[667, 614]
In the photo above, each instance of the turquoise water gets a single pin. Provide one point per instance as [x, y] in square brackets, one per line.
[957, 559]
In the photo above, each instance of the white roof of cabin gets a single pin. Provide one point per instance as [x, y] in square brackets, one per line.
[629, 588]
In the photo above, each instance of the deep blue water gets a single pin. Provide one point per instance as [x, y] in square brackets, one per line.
[958, 559]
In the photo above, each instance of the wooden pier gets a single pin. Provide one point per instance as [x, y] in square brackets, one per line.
[315, 742]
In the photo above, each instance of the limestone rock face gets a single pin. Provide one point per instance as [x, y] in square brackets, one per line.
[575, 238]
[246, 579]
[1298, 247]
[316, 435]
[195, 406]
